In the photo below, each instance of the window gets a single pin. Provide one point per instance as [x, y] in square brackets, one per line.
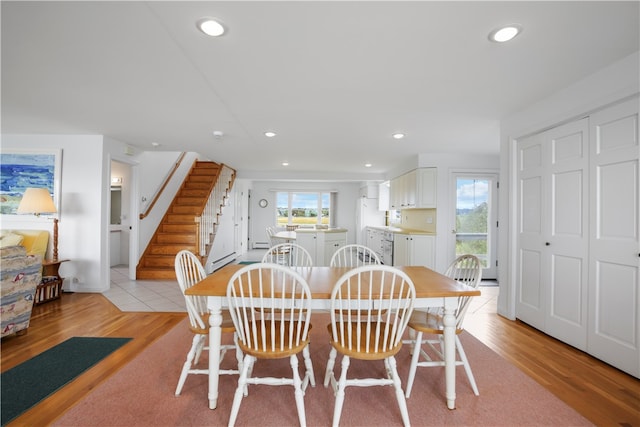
[300, 208]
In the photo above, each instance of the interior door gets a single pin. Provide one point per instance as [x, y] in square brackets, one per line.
[566, 240]
[614, 288]
[532, 218]
[552, 266]
[475, 219]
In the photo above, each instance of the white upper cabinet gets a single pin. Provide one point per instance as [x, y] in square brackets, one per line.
[415, 189]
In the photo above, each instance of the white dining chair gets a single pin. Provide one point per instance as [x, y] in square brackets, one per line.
[270, 306]
[465, 269]
[354, 256]
[190, 271]
[289, 254]
[370, 308]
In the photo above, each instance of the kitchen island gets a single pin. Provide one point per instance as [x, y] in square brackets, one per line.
[321, 243]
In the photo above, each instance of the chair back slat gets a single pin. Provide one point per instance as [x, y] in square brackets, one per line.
[354, 256]
[370, 308]
[465, 269]
[270, 305]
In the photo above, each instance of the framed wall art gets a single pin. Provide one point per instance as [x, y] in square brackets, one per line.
[21, 169]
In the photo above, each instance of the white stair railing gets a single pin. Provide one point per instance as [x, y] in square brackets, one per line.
[213, 209]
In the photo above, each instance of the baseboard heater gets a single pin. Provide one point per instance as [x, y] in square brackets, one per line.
[221, 262]
[261, 245]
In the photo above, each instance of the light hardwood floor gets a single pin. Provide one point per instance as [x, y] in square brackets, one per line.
[601, 393]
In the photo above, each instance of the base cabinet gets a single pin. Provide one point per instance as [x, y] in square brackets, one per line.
[414, 249]
[321, 244]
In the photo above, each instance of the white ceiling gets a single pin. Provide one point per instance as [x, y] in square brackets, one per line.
[333, 79]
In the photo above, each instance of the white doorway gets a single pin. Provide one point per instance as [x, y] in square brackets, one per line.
[474, 220]
[122, 216]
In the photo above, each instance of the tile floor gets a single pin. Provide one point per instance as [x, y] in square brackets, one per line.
[161, 295]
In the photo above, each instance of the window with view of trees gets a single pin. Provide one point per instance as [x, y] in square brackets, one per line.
[303, 208]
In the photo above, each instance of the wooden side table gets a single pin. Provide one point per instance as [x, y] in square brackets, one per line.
[50, 287]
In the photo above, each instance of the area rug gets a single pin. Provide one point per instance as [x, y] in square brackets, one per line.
[25, 385]
[142, 393]
[247, 262]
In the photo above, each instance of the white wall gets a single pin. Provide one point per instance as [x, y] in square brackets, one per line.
[614, 83]
[84, 223]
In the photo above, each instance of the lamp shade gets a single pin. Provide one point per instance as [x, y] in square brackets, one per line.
[36, 201]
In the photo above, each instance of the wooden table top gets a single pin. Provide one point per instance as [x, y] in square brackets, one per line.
[428, 283]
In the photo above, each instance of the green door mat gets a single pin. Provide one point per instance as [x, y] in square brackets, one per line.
[25, 385]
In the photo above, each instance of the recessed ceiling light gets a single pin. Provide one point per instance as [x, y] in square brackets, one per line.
[398, 135]
[285, 163]
[155, 144]
[210, 26]
[269, 134]
[218, 134]
[506, 33]
[367, 165]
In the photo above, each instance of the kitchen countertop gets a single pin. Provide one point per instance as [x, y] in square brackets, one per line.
[321, 230]
[402, 230]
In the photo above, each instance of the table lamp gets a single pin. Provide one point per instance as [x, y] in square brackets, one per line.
[38, 201]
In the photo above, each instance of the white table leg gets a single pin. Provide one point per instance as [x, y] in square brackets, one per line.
[449, 321]
[215, 337]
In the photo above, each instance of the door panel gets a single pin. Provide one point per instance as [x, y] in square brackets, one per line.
[530, 292]
[614, 306]
[552, 293]
[567, 233]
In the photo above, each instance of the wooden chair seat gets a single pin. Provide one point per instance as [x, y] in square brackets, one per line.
[428, 323]
[357, 348]
[227, 324]
[272, 345]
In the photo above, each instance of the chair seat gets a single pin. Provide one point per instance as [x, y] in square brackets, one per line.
[428, 323]
[280, 349]
[227, 324]
[357, 350]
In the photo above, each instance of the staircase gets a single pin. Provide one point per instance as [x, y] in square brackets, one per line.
[180, 227]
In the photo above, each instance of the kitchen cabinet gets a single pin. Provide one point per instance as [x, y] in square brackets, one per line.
[414, 249]
[321, 244]
[415, 189]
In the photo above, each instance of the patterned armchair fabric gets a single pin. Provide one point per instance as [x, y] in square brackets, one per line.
[20, 275]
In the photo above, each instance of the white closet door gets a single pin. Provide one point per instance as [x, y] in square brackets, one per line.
[614, 315]
[566, 246]
[530, 292]
[552, 232]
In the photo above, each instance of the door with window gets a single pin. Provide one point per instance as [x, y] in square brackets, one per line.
[475, 220]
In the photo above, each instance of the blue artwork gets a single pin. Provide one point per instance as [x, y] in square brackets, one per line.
[21, 170]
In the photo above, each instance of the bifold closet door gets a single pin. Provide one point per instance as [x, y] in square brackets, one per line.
[614, 290]
[553, 232]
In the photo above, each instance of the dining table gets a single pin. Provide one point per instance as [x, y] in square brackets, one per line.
[432, 290]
